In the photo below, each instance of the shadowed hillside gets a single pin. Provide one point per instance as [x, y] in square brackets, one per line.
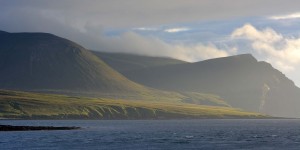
[241, 80]
[44, 61]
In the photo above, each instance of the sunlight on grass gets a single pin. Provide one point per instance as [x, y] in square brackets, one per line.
[49, 106]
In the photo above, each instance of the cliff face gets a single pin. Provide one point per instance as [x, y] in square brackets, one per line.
[241, 80]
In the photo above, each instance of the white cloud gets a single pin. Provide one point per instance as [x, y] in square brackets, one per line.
[145, 29]
[288, 16]
[131, 42]
[174, 30]
[282, 52]
[249, 32]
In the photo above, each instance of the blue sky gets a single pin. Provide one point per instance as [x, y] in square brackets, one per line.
[219, 34]
[188, 30]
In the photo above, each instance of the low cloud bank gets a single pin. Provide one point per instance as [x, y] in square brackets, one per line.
[131, 42]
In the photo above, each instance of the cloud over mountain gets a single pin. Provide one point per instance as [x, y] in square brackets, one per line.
[281, 51]
[131, 42]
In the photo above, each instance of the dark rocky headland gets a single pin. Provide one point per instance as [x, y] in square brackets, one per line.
[33, 128]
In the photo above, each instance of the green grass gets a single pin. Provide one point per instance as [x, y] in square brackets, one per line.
[152, 95]
[204, 99]
[26, 105]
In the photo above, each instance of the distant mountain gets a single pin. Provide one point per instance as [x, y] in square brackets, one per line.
[241, 80]
[126, 62]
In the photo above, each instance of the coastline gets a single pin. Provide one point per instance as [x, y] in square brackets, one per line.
[33, 128]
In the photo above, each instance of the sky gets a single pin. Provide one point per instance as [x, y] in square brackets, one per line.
[189, 30]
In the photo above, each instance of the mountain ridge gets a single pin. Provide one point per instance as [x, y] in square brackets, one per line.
[42, 62]
[241, 80]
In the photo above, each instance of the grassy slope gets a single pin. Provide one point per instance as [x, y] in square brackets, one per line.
[48, 106]
[204, 99]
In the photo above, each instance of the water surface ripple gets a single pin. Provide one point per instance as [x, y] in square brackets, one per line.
[157, 134]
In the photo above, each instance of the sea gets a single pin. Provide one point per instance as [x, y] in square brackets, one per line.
[206, 134]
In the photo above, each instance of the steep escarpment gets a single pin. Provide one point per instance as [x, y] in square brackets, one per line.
[241, 80]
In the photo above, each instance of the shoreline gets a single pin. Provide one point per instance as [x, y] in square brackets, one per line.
[225, 118]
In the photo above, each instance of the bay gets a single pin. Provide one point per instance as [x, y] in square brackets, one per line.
[157, 134]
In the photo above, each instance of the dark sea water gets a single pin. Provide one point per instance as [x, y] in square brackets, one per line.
[157, 134]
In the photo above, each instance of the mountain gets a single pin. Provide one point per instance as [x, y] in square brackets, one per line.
[35, 61]
[125, 62]
[242, 81]
[129, 62]
[47, 63]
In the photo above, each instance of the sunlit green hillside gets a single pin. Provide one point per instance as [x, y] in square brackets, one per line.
[26, 105]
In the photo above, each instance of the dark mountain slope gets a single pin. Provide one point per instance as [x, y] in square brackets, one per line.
[126, 62]
[35, 61]
[241, 80]
[3, 32]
